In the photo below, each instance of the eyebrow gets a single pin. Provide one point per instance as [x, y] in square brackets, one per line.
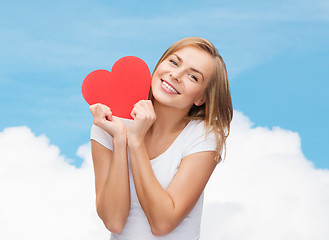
[193, 69]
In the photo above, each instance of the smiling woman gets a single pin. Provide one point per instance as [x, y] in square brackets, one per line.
[179, 76]
[174, 143]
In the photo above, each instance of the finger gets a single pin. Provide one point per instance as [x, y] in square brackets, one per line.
[107, 113]
[144, 103]
[103, 112]
[147, 106]
[133, 113]
[103, 107]
[92, 109]
[95, 108]
[138, 112]
[109, 117]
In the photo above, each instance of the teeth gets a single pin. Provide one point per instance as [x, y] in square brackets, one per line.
[169, 87]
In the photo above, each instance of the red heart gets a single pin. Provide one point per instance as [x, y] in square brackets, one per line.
[129, 82]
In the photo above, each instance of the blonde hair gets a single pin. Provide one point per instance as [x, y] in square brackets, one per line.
[217, 111]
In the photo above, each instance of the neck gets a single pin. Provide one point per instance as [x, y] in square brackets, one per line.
[168, 119]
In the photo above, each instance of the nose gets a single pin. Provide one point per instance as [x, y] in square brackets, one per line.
[176, 75]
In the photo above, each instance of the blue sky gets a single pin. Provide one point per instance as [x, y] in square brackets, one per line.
[277, 55]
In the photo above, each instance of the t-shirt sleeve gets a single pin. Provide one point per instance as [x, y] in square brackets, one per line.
[198, 141]
[102, 137]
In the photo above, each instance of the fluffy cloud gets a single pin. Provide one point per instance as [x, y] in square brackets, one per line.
[42, 195]
[265, 189]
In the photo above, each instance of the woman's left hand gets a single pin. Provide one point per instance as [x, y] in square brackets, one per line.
[144, 116]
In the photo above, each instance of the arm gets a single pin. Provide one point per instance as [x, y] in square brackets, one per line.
[165, 209]
[111, 172]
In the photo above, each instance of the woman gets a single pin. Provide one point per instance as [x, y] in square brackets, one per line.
[150, 174]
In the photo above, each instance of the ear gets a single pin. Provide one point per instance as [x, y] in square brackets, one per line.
[200, 101]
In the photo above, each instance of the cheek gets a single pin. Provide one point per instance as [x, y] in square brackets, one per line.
[160, 71]
[194, 90]
[155, 83]
[153, 80]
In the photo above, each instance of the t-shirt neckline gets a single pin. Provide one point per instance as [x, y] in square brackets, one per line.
[153, 160]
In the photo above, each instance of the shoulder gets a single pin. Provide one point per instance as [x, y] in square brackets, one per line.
[197, 129]
[197, 138]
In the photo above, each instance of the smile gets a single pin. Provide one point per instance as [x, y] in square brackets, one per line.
[168, 87]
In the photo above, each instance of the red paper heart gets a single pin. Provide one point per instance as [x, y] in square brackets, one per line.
[129, 82]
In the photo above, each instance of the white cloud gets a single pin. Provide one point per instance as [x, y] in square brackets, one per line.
[42, 196]
[265, 189]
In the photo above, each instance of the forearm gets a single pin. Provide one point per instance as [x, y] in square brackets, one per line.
[113, 204]
[157, 204]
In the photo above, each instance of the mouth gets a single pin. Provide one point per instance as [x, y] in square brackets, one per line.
[169, 87]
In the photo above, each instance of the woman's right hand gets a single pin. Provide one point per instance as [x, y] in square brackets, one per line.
[104, 119]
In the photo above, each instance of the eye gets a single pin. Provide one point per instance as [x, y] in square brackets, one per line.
[173, 62]
[193, 77]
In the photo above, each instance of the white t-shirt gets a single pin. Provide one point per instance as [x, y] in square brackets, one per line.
[191, 140]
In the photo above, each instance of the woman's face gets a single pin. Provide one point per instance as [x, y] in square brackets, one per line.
[180, 80]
